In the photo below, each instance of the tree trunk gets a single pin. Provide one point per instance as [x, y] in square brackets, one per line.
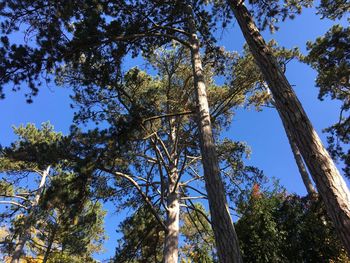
[300, 163]
[49, 246]
[171, 242]
[224, 232]
[330, 184]
[24, 237]
[301, 166]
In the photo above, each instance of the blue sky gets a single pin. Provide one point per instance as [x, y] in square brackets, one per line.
[263, 131]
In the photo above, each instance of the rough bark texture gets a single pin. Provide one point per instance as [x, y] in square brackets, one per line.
[171, 242]
[330, 184]
[224, 232]
[24, 237]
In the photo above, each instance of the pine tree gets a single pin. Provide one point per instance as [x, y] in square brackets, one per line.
[330, 184]
[52, 214]
[329, 56]
[94, 40]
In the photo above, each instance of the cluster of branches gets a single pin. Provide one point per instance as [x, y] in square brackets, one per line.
[158, 141]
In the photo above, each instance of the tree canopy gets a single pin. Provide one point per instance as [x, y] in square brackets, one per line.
[153, 142]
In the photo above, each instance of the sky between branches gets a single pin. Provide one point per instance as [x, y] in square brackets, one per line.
[262, 131]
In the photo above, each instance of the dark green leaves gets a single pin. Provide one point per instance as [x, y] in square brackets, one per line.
[330, 56]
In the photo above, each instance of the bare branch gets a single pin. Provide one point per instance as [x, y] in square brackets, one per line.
[13, 203]
[144, 196]
[194, 197]
[168, 115]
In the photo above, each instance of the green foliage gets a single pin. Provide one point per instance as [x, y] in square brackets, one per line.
[91, 38]
[142, 238]
[330, 56]
[26, 153]
[80, 236]
[308, 232]
[199, 243]
[66, 258]
[269, 13]
[257, 228]
[333, 9]
[66, 221]
[276, 227]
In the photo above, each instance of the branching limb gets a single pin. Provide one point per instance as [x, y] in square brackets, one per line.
[144, 196]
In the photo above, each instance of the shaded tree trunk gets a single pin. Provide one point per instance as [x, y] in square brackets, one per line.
[330, 184]
[49, 246]
[225, 236]
[24, 237]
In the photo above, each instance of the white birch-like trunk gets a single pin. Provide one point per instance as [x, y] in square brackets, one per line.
[171, 242]
[24, 237]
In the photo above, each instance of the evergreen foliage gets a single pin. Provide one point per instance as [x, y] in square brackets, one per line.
[329, 55]
[278, 227]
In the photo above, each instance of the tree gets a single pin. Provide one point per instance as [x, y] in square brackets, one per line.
[52, 215]
[258, 230]
[329, 56]
[278, 227]
[333, 9]
[199, 239]
[242, 76]
[330, 184]
[93, 40]
[142, 240]
[25, 200]
[156, 113]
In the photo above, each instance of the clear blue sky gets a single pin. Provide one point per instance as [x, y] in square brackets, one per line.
[263, 131]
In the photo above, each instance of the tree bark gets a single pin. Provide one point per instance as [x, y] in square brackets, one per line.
[330, 184]
[171, 242]
[300, 163]
[24, 237]
[301, 166]
[224, 232]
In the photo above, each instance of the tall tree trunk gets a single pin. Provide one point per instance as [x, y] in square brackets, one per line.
[24, 237]
[330, 184]
[300, 163]
[225, 235]
[171, 242]
[301, 166]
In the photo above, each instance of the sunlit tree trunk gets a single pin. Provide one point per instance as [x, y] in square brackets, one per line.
[24, 237]
[300, 163]
[171, 242]
[330, 184]
[301, 167]
[224, 232]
